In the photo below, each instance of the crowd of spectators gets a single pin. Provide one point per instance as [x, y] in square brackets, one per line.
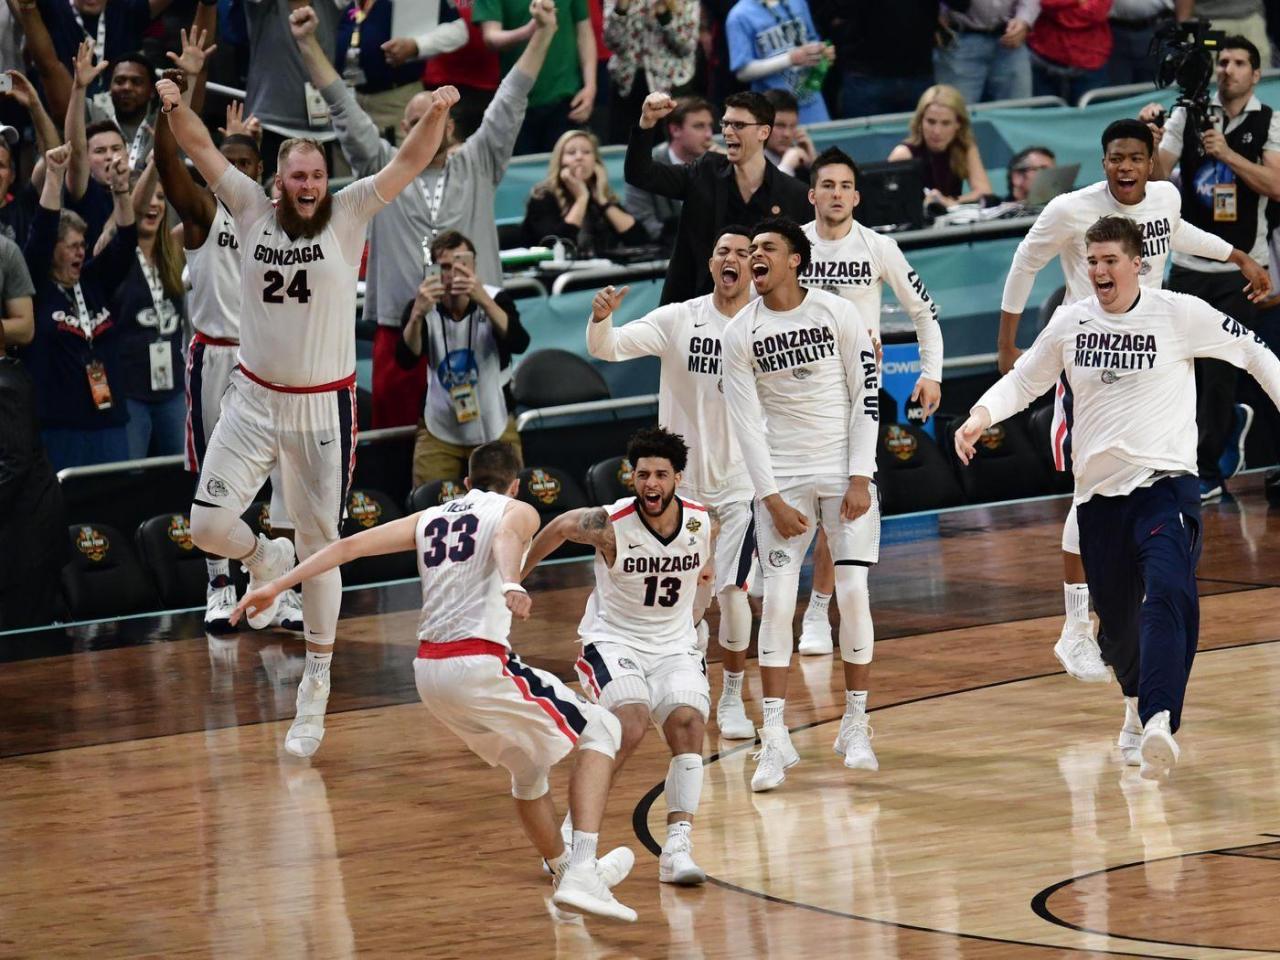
[95, 309]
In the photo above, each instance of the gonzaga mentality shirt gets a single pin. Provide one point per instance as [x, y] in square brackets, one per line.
[1134, 384]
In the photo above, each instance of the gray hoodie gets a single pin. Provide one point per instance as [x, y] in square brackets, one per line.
[467, 202]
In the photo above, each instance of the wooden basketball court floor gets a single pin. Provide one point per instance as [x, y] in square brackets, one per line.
[148, 810]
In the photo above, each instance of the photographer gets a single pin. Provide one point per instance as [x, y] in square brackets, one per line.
[1229, 171]
[468, 331]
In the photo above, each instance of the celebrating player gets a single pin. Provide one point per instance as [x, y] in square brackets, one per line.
[855, 263]
[1127, 148]
[640, 656]
[802, 385]
[292, 396]
[1127, 354]
[509, 714]
[691, 403]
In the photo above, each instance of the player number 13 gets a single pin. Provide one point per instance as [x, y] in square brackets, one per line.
[670, 587]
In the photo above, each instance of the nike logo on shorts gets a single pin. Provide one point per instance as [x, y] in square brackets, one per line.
[325, 443]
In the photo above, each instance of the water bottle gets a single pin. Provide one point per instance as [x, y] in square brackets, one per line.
[812, 83]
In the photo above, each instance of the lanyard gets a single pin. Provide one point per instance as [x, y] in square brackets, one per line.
[358, 15]
[163, 309]
[100, 44]
[83, 320]
[135, 148]
[445, 323]
[433, 201]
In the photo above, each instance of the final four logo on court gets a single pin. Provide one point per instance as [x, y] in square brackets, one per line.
[544, 486]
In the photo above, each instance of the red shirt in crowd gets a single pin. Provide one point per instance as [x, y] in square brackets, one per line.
[474, 65]
[1073, 33]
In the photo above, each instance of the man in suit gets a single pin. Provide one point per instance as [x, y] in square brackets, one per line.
[689, 130]
[739, 186]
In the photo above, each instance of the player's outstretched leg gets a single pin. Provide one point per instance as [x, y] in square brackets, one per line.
[815, 628]
[684, 729]
[1076, 649]
[735, 637]
[321, 599]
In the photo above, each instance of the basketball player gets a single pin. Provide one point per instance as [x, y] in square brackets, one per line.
[1127, 354]
[691, 403]
[208, 234]
[640, 657]
[509, 714]
[292, 396]
[1156, 206]
[855, 263]
[802, 385]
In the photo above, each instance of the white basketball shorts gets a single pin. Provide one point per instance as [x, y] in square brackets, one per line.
[818, 498]
[614, 674]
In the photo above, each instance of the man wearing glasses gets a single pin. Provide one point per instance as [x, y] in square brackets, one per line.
[1024, 167]
[738, 186]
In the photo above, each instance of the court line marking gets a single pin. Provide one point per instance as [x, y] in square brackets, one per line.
[640, 826]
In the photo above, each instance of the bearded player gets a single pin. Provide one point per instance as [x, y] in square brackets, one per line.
[292, 397]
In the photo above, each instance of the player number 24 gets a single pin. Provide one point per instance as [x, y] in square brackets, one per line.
[298, 289]
[670, 587]
[435, 537]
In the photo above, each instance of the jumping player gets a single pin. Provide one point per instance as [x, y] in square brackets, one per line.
[1156, 206]
[802, 385]
[509, 714]
[292, 397]
[640, 657]
[854, 262]
[1127, 353]
[686, 336]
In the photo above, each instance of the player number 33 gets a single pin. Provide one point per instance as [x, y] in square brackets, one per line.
[435, 536]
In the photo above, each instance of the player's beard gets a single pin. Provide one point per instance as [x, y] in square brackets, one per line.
[296, 225]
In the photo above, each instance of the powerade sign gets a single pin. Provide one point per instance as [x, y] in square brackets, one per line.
[898, 375]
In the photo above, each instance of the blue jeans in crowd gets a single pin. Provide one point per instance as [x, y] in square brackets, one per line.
[862, 95]
[1130, 56]
[1069, 83]
[69, 447]
[156, 428]
[981, 69]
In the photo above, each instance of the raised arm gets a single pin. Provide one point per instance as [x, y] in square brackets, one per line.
[496, 38]
[640, 169]
[646, 337]
[86, 71]
[194, 203]
[38, 246]
[47, 135]
[1045, 240]
[194, 57]
[419, 146]
[53, 73]
[191, 134]
[589, 525]
[394, 537]
[303, 23]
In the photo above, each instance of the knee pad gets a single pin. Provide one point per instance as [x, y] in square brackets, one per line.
[684, 783]
[1071, 533]
[857, 633]
[735, 620]
[776, 631]
[603, 733]
[213, 531]
[530, 784]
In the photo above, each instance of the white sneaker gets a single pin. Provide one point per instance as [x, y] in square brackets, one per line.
[1079, 655]
[280, 560]
[219, 602]
[304, 736]
[583, 890]
[1159, 749]
[776, 754]
[289, 613]
[676, 863]
[731, 718]
[615, 865]
[853, 742]
[1130, 739]
[815, 636]
[704, 637]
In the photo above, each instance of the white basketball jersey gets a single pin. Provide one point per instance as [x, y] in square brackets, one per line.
[298, 297]
[214, 301]
[461, 586]
[645, 598]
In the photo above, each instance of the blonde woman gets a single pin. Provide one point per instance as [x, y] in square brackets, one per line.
[941, 140]
[575, 201]
[148, 305]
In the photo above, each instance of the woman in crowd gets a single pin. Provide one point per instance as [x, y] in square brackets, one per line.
[74, 358]
[655, 45]
[940, 140]
[148, 304]
[575, 201]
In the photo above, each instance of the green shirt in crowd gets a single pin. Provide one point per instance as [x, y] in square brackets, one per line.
[561, 76]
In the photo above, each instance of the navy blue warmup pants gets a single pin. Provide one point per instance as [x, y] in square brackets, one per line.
[1140, 553]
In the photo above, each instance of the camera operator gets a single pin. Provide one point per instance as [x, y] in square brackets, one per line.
[1229, 171]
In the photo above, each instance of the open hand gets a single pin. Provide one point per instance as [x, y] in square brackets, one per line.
[194, 52]
[86, 71]
[969, 432]
[255, 600]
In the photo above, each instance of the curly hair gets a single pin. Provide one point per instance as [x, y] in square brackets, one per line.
[657, 442]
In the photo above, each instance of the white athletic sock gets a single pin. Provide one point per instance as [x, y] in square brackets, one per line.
[584, 848]
[1076, 598]
[558, 865]
[855, 702]
[732, 685]
[259, 556]
[679, 829]
[318, 666]
[817, 609]
[217, 567]
[773, 707]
